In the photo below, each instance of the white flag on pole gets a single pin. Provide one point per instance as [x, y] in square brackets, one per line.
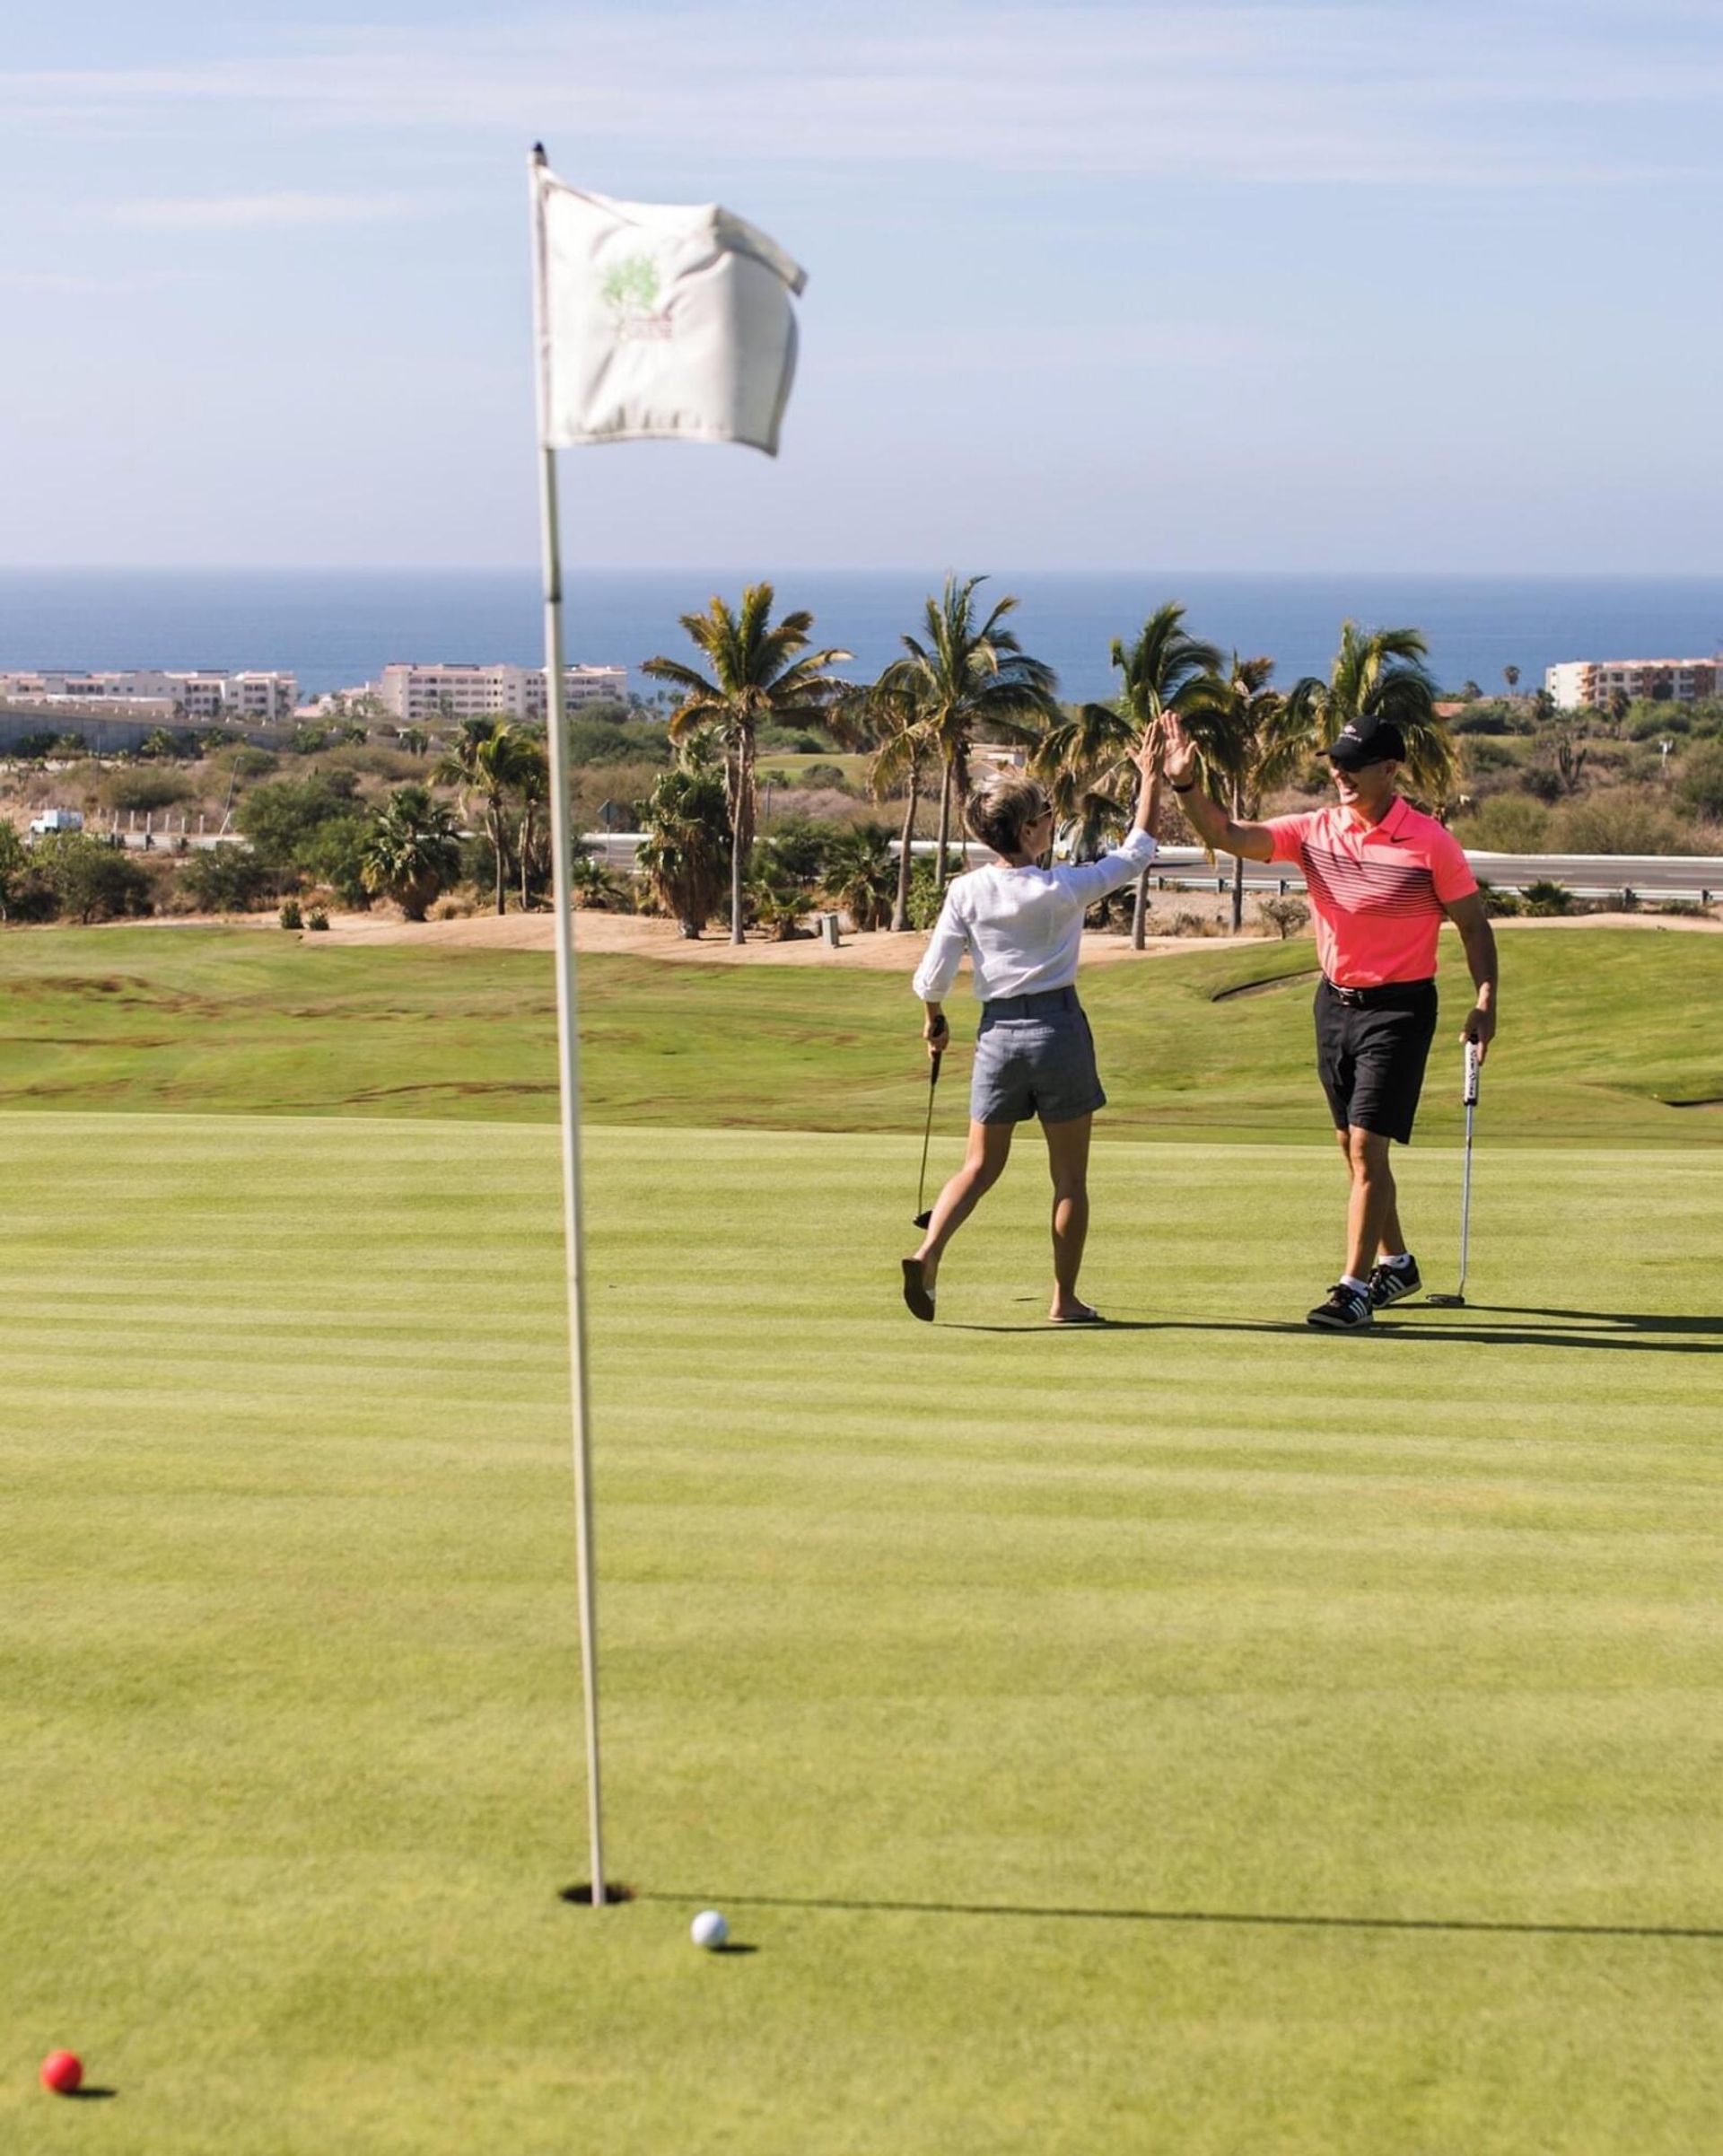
[660, 323]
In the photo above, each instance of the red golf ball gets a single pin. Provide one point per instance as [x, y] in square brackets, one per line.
[62, 2071]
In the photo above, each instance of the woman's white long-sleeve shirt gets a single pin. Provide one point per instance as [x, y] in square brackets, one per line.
[1022, 927]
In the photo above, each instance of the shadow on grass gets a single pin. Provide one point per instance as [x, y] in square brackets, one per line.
[1260, 1919]
[1638, 1332]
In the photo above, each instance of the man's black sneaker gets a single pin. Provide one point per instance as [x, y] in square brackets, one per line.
[1346, 1311]
[1393, 1283]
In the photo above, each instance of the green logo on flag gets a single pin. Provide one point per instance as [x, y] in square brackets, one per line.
[631, 291]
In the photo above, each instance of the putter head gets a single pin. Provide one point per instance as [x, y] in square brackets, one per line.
[922, 1219]
[1446, 1303]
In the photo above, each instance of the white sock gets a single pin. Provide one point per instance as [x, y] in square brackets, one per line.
[1399, 1263]
[1357, 1287]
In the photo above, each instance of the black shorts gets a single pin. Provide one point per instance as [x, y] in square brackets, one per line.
[1371, 1054]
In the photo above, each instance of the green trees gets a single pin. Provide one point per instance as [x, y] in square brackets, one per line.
[966, 679]
[1249, 745]
[686, 855]
[761, 674]
[491, 761]
[412, 850]
[280, 816]
[862, 877]
[89, 879]
[904, 741]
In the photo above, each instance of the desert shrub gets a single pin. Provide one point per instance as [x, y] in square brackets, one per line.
[1484, 755]
[794, 852]
[291, 917]
[792, 740]
[1547, 898]
[1507, 823]
[1500, 905]
[317, 919]
[227, 879]
[1701, 783]
[594, 741]
[925, 901]
[1626, 819]
[829, 775]
[1285, 916]
[144, 788]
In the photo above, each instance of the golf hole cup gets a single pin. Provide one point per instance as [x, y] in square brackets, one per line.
[710, 1930]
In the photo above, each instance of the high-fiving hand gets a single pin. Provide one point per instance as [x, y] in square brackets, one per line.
[1180, 760]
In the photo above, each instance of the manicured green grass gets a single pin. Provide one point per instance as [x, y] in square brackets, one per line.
[1604, 1031]
[915, 1640]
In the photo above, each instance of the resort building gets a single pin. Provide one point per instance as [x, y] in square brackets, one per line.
[421, 696]
[197, 693]
[1578, 682]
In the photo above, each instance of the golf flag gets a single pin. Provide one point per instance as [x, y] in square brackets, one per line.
[659, 323]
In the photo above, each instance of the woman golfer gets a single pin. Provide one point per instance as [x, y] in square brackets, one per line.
[1023, 926]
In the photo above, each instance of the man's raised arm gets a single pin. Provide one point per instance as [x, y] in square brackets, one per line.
[1206, 818]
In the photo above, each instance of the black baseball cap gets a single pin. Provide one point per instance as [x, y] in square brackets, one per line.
[1368, 741]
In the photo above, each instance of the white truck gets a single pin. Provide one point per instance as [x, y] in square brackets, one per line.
[55, 819]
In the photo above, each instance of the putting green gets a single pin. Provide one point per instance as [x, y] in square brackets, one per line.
[1199, 1736]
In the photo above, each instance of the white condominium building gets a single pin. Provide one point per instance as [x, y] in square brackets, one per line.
[422, 695]
[195, 693]
[1578, 682]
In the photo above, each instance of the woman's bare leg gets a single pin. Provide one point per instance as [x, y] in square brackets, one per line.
[1068, 1162]
[990, 1147]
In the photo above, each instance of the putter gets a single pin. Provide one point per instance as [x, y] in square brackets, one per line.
[1469, 1101]
[923, 1215]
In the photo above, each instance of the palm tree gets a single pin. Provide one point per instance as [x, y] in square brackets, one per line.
[1380, 674]
[861, 875]
[1239, 725]
[1166, 669]
[761, 675]
[486, 760]
[967, 680]
[414, 741]
[532, 783]
[412, 850]
[1083, 762]
[893, 724]
[685, 854]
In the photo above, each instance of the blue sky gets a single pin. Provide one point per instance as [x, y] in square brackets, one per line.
[1369, 284]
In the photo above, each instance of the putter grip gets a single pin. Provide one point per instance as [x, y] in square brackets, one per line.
[933, 1075]
[1474, 1062]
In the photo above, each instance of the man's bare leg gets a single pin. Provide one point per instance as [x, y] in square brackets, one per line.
[1373, 1207]
[1392, 1242]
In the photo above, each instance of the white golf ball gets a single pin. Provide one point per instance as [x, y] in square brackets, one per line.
[710, 1929]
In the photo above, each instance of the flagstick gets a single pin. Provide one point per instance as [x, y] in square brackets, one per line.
[568, 1053]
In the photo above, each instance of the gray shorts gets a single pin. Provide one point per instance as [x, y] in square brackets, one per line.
[1035, 1056]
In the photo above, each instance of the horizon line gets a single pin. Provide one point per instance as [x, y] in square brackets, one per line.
[532, 568]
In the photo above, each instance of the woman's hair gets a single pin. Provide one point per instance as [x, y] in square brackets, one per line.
[1003, 807]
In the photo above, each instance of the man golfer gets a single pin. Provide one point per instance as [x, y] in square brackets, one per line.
[1021, 925]
[1381, 877]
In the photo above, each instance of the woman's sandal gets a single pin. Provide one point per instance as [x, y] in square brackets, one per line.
[917, 1295]
[1086, 1316]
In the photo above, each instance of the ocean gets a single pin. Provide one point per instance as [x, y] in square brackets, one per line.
[336, 629]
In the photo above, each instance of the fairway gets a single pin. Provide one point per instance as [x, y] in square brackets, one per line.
[1202, 1736]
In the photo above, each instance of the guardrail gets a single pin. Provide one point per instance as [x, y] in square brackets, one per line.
[1629, 877]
